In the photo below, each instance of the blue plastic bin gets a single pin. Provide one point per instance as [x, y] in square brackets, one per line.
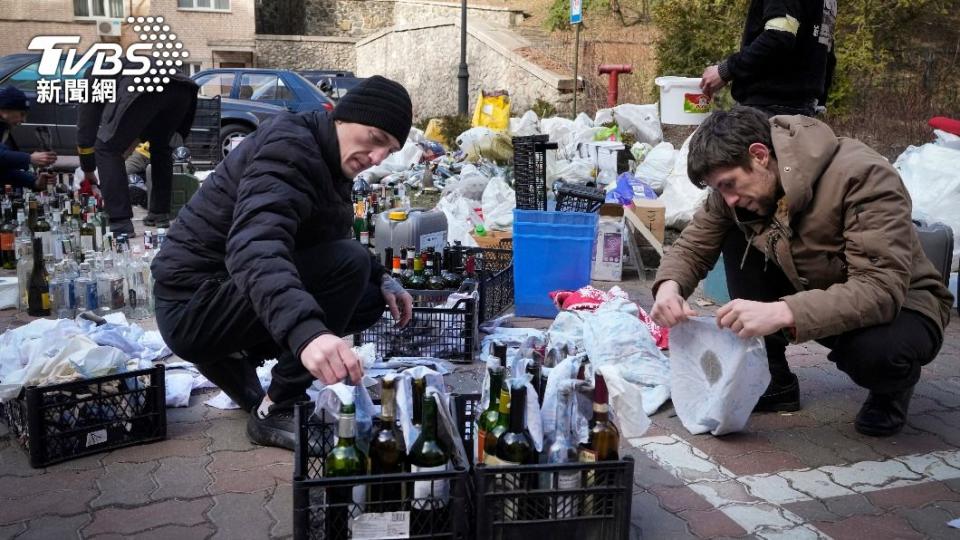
[551, 251]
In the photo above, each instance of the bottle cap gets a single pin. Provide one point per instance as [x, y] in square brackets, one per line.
[397, 215]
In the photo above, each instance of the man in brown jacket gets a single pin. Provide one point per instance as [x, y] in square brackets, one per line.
[818, 244]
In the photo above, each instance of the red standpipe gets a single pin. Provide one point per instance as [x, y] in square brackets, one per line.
[614, 70]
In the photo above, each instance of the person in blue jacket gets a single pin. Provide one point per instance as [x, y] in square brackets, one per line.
[14, 164]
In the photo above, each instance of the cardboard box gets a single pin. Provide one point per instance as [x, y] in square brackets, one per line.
[492, 238]
[652, 213]
[608, 253]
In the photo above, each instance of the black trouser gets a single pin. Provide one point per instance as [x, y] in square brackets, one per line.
[154, 118]
[219, 319]
[776, 110]
[882, 358]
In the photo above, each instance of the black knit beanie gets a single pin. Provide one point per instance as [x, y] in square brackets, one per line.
[378, 102]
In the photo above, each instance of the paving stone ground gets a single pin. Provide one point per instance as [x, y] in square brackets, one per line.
[801, 475]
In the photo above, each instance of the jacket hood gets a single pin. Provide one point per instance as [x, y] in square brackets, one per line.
[804, 147]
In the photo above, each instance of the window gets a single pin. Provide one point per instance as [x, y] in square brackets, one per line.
[216, 84]
[263, 87]
[218, 5]
[26, 79]
[98, 8]
[192, 68]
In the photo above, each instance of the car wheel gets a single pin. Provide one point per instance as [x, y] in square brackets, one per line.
[229, 131]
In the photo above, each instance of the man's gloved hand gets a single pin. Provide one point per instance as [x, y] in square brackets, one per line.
[330, 359]
[398, 300]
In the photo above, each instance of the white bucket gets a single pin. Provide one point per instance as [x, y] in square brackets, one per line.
[681, 101]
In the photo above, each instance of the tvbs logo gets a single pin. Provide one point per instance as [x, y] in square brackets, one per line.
[107, 58]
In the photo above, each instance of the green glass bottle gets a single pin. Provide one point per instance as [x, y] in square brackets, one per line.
[503, 422]
[488, 419]
[515, 446]
[434, 279]
[419, 387]
[345, 459]
[388, 453]
[8, 241]
[418, 280]
[429, 454]
[42, 231]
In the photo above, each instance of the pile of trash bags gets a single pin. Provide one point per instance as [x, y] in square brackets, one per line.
[475, 179]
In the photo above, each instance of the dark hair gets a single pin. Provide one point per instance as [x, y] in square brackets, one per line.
[723, 140]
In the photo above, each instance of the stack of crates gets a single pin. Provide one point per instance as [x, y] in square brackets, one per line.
[530, 171]
[204, 138]
[578, 198]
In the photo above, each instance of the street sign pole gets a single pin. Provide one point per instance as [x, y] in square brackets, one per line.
[576, 17]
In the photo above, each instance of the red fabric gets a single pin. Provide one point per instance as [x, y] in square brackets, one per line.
[943, 123]
[589, 299]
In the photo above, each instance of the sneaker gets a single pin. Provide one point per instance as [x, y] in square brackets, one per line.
[780, 397]
[156, 220]
[274, 428]
[237, 377]
[122, 226]
[883, 415]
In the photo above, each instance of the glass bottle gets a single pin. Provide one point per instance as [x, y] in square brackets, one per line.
[38, 287]
[87, 233]
[8, 240]
[85, 289]
[488, 419]
[137, 296]
[42, 231]
[61, 298]
[429, 454]
[515, 446]
[418, 280]
[434, 279]
[603, 443]
[388, 452]
[562, 451]
[409, 269]
[24, 259]
[503, 423]
[345, 459]
[419, 389]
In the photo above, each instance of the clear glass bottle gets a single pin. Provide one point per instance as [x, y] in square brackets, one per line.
[562, 451]
[85, 289]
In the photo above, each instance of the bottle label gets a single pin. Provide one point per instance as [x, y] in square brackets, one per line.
[116, 293]
[380, 525]
[45, 300]
[493, 461]
[430, 494]
[601, 408]
[568, 480]
[587, 456]
[365, 238]
[6, 241]
[86, 242]
[481, 438]
[45, 241]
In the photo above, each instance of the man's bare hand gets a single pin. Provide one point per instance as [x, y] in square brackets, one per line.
[43, 159]
[330, 359]
[43, 179]
[711, 81]
[670, 308]
[398, 300]
[749, 319]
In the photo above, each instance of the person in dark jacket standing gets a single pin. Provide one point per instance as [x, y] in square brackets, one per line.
[261, 262]
[14, 164]
[786, 58]
[107, 131]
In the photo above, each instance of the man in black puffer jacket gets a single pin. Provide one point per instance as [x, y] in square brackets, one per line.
[261, 262]
[786, 59]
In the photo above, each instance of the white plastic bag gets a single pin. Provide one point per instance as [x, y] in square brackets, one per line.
[557, 128]
[603, 116]
[657, 166]
[680, 197]
[498, 202]
[931, 176]
[716, 378]
[526, 125]
[641, 121]
[575, 171]
[457, 209]
[470, 140]
[470, 184]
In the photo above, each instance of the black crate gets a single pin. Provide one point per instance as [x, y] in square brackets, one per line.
[65, 421]
[530, 171]
[323, 507]
[577, 198]
[495, 267]
[436, 332]
[516, 502]
[204, 138]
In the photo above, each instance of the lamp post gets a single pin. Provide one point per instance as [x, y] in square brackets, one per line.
[463, 76]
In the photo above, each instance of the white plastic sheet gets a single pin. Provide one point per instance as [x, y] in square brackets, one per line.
[498, 202]
[457, 209]
[526, 125]
[716, 378]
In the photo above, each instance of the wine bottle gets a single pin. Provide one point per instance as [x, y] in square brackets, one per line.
[38, 288]
[8, 241]
[515, 446]
[562, 451]
[418, 280]
[345, 459]
[488, 419]
[492, 436]
[434, 280]
[603, 443]
[388, 453]
[429, 454]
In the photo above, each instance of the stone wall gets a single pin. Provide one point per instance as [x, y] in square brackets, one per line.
[411, 12]
[412, 55]
[347, 17]
[306, 52]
